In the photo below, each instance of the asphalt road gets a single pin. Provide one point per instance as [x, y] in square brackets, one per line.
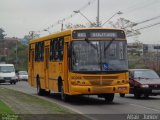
[94, 107]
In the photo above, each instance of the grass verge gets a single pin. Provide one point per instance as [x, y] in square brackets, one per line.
[29, 107]
[5, 109]
[23, 103]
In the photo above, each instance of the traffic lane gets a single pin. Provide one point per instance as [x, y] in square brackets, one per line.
[21, 86]
[95, 105]
[153, 102]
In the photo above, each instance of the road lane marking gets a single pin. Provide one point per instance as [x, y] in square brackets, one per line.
[145, 107]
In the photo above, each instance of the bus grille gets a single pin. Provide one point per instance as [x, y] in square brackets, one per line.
[100, 80]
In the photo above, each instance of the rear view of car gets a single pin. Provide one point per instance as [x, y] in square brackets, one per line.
[22, 75]
[7, 73]
[143, 82]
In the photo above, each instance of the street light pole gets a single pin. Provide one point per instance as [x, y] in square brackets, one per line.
[98, 14]
[61, 22]
[117, 13]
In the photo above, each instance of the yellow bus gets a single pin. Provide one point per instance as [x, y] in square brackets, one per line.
[88, 61]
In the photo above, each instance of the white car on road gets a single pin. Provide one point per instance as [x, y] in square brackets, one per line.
[22, 75]
[7, 73]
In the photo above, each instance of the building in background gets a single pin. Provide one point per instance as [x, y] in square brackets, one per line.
[142, 48]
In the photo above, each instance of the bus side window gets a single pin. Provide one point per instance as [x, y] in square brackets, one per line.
[60, 49]
[56, 51]
[39, 51]
[52, 50]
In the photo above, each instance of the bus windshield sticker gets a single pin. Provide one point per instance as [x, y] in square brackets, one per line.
[105, 66]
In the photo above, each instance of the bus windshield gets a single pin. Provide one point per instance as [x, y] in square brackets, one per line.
[99, 55]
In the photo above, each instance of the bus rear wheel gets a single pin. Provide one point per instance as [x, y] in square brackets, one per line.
[39, 90]
[109, 97]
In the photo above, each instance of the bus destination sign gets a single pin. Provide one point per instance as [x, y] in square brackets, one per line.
[78, 34]
[103, 34]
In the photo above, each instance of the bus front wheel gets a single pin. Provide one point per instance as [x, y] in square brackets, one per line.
[122, 95]
[109, 97]
[64, 96]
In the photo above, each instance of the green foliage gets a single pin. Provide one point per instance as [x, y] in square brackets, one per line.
[22, 54]
[135, 62]
[5, 109]
[22, 57]
[2, 35]
[14, 49]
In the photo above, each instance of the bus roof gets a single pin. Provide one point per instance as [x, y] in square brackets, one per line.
[67, 32]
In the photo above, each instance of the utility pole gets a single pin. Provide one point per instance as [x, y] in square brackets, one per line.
[98, 14]
[62, 26]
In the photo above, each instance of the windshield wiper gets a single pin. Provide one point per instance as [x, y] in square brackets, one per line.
[108, 45]
[95, 47]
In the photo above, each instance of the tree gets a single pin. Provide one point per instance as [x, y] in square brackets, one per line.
[2, 35]
[127, 26]
[70, 26]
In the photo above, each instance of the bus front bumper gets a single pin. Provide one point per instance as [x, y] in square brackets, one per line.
[87, 90]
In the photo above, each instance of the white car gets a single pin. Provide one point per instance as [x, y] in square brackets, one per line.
[7, 73]
[22, 75]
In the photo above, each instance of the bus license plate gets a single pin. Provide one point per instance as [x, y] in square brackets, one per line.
[122, 88]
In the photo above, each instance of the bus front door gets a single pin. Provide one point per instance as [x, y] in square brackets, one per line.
[32, 67]
[66, 68]
[46, 67]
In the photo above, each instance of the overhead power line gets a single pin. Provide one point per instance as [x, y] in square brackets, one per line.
[145, 27]
[67, 18]
[133, 24]
[148, 26]
[149, 19]
[140, 5]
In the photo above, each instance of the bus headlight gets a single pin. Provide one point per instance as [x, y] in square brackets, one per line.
[73, 82]
[145, 86]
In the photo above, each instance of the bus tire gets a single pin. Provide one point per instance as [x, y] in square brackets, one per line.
[109, 97]
[64, 96]
[122, 95]
[47, 93]
[39, 90]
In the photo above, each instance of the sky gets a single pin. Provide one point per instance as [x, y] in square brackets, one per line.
[19, 17]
